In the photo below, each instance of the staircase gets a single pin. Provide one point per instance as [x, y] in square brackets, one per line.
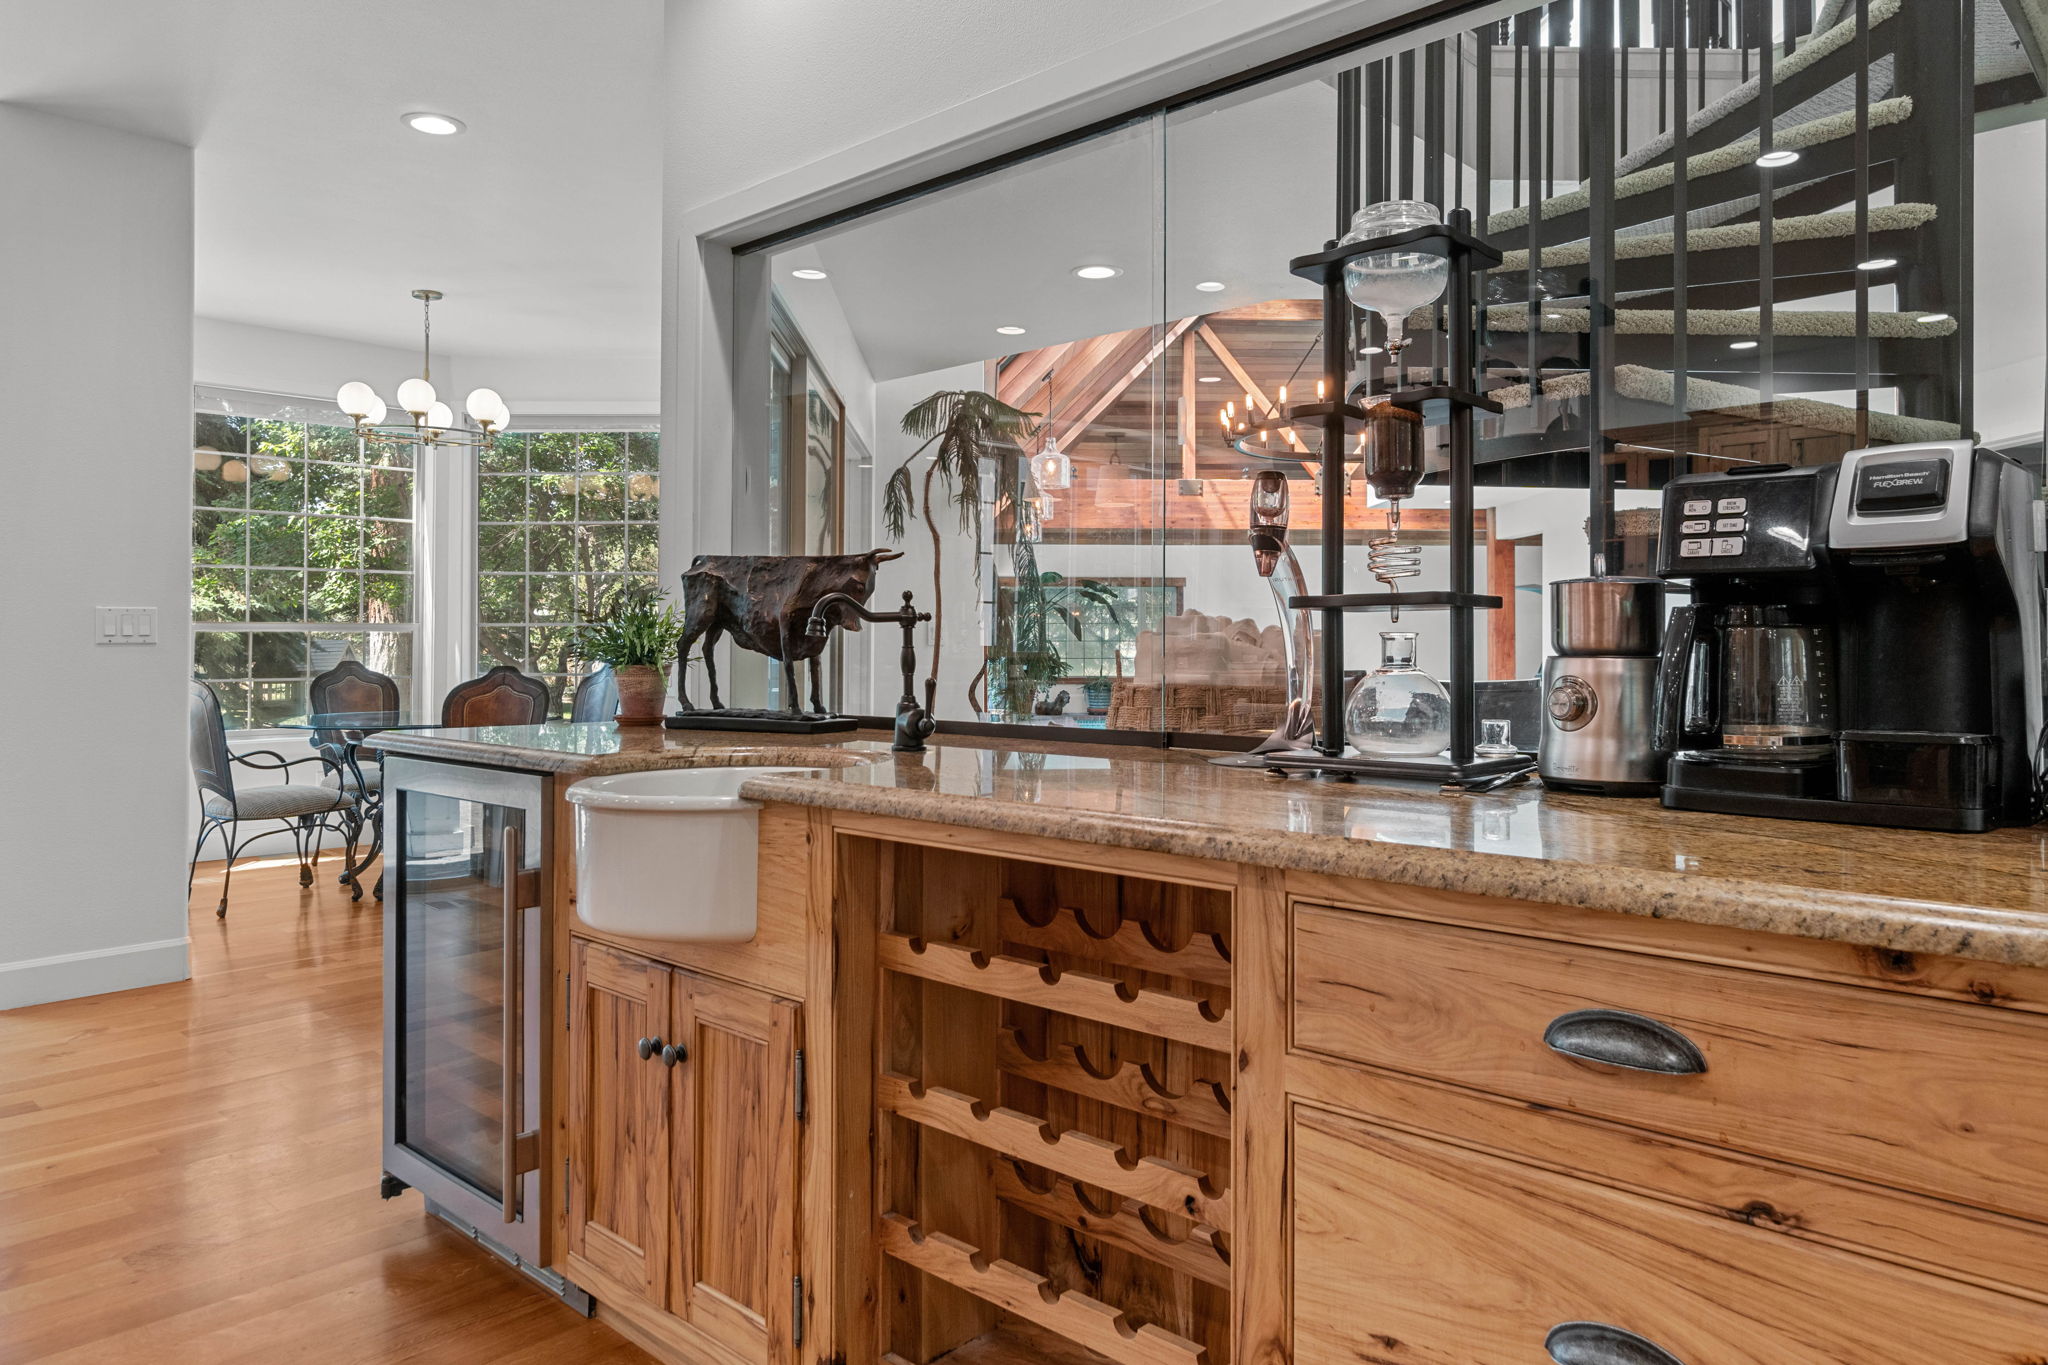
[1681, 299]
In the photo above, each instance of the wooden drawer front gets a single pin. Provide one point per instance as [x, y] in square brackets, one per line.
[1948, 1099]
[1413, 1252]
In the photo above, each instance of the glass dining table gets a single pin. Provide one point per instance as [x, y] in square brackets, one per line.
[340, 737]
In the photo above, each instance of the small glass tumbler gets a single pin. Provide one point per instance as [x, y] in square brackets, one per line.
[1496, 739]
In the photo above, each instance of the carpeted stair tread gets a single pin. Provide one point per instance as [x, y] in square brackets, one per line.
[1825, 42]
[1809, 227]
[1833, 128]
[1512, 318]
[1655, 387]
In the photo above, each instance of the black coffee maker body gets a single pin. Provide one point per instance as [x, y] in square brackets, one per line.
[1863, 643]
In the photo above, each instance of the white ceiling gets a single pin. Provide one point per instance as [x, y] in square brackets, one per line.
[318, 211]
[1229, 193]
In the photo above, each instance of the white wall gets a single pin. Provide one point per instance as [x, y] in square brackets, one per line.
[96, 271]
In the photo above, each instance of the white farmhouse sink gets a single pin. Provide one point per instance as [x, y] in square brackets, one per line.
[669, 854]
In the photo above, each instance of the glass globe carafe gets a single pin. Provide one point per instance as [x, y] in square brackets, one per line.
[1397, 710]
[1394, 283]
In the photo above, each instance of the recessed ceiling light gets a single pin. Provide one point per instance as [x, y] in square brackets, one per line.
[808, 273]
[1772, 160]
[1097, 272]
[1742, 345]
[1011, 331]
[439, 125]
[1371, 350]
[1210, 379]
[1934, 317]
[1878, 263]
[1210, 286]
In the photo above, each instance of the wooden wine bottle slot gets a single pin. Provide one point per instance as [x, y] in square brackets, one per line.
[1199, 1254]
[1080, 993]
[1128, 1086]
[1009, 1286]
[1077, 1155]
[1203, 959]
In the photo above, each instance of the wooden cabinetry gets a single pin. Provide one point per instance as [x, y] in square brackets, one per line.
[1677, 1145]
[683, 1148]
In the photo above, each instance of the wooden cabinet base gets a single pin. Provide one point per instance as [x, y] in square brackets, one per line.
[1414, 1252]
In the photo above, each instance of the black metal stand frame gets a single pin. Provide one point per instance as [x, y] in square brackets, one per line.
[1466, 254]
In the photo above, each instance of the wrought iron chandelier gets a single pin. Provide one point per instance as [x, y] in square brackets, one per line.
[431, 422]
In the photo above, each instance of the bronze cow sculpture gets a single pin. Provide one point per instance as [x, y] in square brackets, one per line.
[764, 602]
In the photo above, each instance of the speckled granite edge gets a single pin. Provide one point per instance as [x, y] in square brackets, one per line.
[2002, 936]
[730, 755]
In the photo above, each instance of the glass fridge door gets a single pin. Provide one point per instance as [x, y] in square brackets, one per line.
[462, 953]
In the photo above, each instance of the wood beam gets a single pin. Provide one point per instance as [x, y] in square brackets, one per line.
[1026, 372]
[1124, 380]
[1247, 384]
[1500, 582]
[1188, 459]
[1275, 310]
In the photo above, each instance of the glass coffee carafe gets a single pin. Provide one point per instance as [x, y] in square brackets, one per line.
[1397, 710]
[1777, 685]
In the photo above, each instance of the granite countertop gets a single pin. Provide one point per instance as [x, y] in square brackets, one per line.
[1981, 896]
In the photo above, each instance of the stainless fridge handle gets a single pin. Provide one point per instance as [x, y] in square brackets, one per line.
[513, 956]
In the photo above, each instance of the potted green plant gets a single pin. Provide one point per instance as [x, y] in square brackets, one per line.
[637, 638]
[959, 429]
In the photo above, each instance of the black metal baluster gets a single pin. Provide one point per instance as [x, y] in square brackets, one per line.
[1534, 293]
[1482, 118]
[1862, 174]
[1407, 130]
[1336, 331]
[1681, 362]
[1596, 86]
[1758, 12]
[1433, 174]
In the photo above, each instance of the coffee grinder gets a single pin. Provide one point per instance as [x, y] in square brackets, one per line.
[1600, 687]
[1863, 643]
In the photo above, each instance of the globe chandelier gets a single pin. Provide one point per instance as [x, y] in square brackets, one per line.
[428, 420]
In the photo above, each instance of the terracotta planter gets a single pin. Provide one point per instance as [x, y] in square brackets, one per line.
[642, 687]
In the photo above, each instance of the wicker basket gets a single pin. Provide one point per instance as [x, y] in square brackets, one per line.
[1195, 706]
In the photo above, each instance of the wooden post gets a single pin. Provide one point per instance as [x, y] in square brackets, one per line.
[1500, 582]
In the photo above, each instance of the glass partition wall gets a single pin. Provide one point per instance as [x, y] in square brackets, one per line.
[1734, 231]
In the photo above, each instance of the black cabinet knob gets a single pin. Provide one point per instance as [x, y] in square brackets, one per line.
[647, 1047]
[673, 1053]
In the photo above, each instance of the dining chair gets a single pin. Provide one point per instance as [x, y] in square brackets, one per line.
[597, 696]
[306, 808]
[349, 686]
[503, 696]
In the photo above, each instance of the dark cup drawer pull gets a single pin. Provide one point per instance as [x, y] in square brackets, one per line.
[1596, 1343]
[1618, 1038]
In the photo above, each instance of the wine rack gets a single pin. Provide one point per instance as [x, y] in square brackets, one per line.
[1053, 1108]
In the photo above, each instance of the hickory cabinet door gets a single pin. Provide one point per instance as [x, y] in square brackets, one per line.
[735, 1166]
[620, 1197]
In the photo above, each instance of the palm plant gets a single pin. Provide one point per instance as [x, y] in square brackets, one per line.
[960, 428]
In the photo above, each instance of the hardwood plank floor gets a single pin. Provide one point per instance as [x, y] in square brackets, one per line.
[188, 1173]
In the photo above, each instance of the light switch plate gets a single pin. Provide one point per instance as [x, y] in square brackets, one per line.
[124, 625]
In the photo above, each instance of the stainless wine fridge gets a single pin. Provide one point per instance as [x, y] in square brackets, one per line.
[463, 1053]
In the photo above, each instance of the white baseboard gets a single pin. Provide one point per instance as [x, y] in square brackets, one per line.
[70, 975]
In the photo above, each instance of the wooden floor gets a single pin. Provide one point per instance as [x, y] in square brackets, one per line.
[189, 1173]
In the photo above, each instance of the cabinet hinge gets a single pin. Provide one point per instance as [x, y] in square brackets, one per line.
[796, 1320]
[802, 1084]
[565, 1184]
[568, 1001]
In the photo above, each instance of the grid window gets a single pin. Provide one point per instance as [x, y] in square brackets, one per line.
[567, 521]
[302, 548]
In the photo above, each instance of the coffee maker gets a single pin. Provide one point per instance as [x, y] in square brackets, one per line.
[1863, 643]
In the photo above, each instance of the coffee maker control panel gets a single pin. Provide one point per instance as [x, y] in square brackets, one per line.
[1746, 522]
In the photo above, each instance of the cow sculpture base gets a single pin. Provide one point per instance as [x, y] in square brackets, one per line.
[761, 722]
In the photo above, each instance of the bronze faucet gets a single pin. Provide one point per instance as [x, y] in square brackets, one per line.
[914, 723]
